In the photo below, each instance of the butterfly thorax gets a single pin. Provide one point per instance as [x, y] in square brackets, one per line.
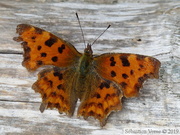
[85, 61]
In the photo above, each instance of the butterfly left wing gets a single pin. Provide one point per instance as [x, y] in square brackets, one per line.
[56, 87]
[100, 99]
[43, 48]
[127, 70]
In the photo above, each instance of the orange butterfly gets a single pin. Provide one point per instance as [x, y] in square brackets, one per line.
[98, 81]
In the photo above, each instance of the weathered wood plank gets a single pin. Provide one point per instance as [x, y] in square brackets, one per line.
[156, 23]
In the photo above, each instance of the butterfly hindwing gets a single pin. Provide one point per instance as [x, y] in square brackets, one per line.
[102, 97]
[55, 90]
[44, 48]
[128, 70]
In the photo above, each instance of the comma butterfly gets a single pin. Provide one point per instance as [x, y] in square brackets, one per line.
[98, 81]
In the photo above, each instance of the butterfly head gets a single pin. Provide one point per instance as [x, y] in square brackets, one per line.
[88, 50]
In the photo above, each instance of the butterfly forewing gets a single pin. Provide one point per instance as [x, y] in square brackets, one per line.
[43, 48]
[127, 70]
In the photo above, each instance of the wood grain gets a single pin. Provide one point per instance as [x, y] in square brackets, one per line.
[143, 27]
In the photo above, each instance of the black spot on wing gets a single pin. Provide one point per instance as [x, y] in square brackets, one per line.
[43, 54]
[124, 60]
[59, 75]
[44, 96]
[59, 86]
[132, 72]
[33, 37]
[140, 57]
[107, 96]
[91, 113]
[113, 63]
[113, 73]
[50, 41]
[97, 95]
[50, 83]
[141, 66]
[112, 59]
[123, 84]
[39, 48]
[54, 59]
[60, 49]
[39, 62]
[53, 94]
[106, 110]
[50, 105]
[104, 84]
[125, 76]
[57, 105]
[99, 105]
[61, 97]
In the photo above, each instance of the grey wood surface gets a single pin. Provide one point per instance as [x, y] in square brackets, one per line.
[155, 22]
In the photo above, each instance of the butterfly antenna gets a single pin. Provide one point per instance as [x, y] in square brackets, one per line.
[81, 29]
[101, 34]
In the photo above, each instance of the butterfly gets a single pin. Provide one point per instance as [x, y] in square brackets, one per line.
[99, 82]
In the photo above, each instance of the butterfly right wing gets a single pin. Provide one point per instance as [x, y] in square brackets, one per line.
[129, 71]
[43, 48]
